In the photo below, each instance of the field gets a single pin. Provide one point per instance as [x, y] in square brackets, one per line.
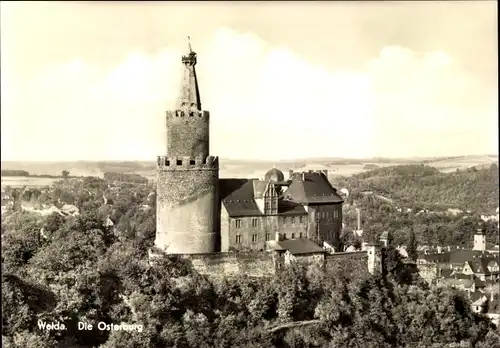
[236, 168]
[20, 181]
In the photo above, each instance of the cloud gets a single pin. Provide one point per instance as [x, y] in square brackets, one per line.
[265, 102]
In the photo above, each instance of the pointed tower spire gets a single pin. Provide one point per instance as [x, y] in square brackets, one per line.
[190, 93]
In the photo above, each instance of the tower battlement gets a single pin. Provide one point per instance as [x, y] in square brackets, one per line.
[187, 163]
[183, 116]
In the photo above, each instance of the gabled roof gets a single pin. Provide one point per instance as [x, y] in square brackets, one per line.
[478, 299]
[300, 246]
[237, 195]
[458, 256]
[290, 208]
[446, 273]
[311, 188]
[480, 265]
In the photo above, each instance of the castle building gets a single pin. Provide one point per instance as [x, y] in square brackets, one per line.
[199, 213]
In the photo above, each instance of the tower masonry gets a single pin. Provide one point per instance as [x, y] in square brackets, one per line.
[187, 176]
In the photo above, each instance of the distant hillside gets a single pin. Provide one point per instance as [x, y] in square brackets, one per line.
[421, 185]
[252, 168]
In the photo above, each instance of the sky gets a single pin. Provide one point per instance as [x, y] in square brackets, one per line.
[92, 81]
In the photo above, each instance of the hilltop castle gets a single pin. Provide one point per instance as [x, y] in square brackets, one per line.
[228, 226]
[197, 212]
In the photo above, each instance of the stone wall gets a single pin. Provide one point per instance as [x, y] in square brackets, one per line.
[186, 209]
[257, 264]
[188, 135]
[351, 264]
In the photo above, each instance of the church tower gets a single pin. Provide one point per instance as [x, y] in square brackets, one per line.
[187, 185]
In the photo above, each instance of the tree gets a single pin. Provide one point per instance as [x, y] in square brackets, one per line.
[65, 174]
[411, 246]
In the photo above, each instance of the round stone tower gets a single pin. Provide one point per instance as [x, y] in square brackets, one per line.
[187, 185]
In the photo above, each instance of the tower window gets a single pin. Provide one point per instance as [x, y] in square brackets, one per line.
[179, 162]
[268, 237]
[266, 205]
[255, 238]
[255, 222]
[237, 223]
[238, 239]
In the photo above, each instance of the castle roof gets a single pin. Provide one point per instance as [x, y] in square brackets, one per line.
[239, 195]
[274, 174]
[190, 93]
[311, 188]
[290, 208]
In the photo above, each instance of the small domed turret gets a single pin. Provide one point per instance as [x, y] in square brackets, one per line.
[274, 175]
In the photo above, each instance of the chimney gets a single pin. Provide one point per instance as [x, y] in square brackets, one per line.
[358, 211]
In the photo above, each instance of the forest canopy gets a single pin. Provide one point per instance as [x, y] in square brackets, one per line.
[72, 269]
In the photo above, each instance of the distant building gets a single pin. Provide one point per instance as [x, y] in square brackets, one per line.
[479, 241]
[476, 263]
[385, 238]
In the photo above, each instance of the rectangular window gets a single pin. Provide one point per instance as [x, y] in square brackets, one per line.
[293, 235]
[293, 220]
[238, 239]
[268, 237]
[335, 214]
[266, 205]
[255, 222]
[255, 238]
[237, 223]
[284, 220]
[300, 235]
[301, 219]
